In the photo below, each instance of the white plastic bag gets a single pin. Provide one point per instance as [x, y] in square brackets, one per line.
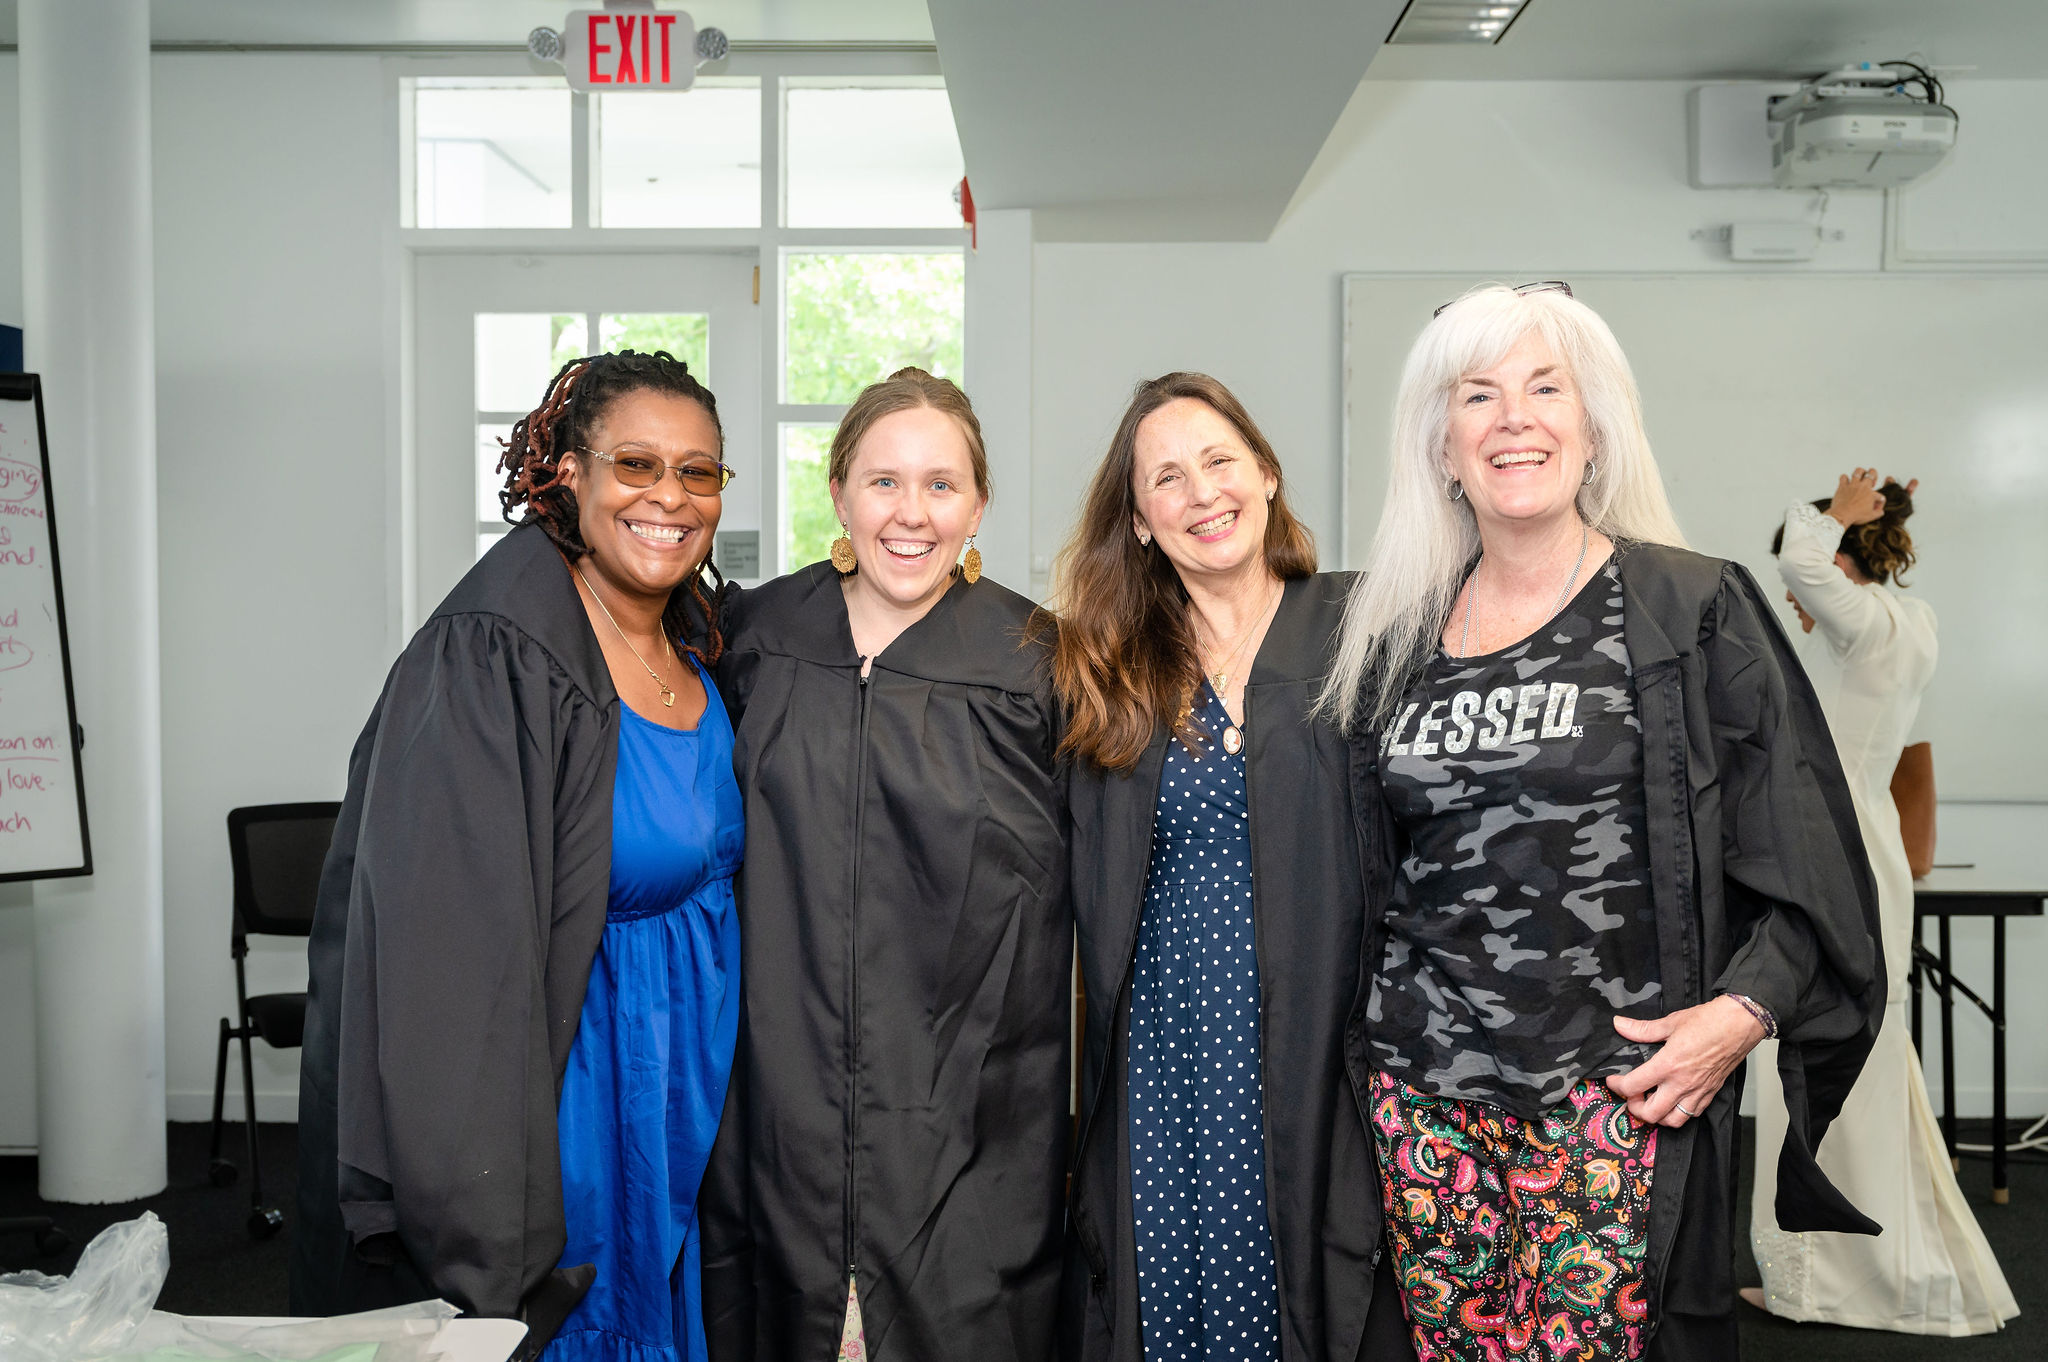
[405, 1333]
[95, 1311]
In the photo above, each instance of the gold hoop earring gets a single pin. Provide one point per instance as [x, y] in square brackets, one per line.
[970, 564]
[842, 554]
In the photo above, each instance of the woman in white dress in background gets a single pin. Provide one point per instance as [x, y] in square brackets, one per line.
[1931, 1271]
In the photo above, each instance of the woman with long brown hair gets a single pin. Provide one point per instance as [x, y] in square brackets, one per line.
[1224, 1199]
[887, 1180]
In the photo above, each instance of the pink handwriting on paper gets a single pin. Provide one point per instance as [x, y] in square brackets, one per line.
[19, 481]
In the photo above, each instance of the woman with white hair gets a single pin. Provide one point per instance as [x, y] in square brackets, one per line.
[1609, 850]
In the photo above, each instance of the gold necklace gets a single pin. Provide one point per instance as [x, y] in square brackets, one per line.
[668, 697]
[1220, 679]
[1233, 734]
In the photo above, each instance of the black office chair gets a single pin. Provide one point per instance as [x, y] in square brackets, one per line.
[50, 1240]
[276, 851]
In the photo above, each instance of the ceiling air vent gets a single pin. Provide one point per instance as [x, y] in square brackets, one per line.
[1455, 21]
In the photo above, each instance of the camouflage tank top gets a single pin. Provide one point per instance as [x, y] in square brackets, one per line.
[1521, 921]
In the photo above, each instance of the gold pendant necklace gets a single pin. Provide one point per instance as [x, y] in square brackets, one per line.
[668, 697]
[1219, 680]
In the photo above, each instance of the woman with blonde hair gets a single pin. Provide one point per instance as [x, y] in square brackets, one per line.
[1609, 849]
[888, 1175]
[1224, 1202]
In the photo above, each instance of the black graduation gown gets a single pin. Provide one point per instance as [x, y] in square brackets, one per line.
[1761, 887]
[460, 909]
[1308, 905]
[899, 1100]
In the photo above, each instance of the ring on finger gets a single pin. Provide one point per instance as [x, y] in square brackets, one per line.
[1684, 1108]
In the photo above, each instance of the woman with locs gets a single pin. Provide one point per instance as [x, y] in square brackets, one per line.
[887, 1180]
[1609, 849]
[1871, 653]
[525, 959]
[1224, 1201]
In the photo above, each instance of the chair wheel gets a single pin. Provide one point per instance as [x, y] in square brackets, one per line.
[265, 1221]
[222, 1173]
[51, 1242]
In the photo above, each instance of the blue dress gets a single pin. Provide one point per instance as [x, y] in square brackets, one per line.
[645, 1086]
[1206, 1285]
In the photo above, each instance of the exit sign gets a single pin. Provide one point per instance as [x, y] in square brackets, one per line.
[629, 49]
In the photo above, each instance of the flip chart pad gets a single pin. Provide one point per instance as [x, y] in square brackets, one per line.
[42, 791]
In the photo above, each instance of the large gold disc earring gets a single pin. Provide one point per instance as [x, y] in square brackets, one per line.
[842, 553]
[970, 566]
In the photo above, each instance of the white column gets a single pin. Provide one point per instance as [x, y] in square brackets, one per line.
[90, 324]
[998, 341]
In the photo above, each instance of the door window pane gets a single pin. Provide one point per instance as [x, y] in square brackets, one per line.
[490, 153]
[686, 335]
[518, 352]
[809, 524]
[856, 318]
[489, 478]
[862, 156]
[680, 160]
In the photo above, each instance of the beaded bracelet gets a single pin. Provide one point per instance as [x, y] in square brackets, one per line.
[1757, 1010]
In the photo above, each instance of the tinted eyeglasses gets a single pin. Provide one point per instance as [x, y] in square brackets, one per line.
[700, 477]
[1540, 286]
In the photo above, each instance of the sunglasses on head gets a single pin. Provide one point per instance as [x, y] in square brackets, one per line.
[1540, 286]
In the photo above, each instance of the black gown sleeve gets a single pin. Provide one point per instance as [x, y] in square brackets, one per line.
[460, 975]
[1793, 854]
[1801, 902]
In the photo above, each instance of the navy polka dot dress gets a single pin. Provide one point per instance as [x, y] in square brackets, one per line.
[1198, 1151]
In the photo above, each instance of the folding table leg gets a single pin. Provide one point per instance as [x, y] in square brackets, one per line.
[2000, 1193]
[1948, 1048]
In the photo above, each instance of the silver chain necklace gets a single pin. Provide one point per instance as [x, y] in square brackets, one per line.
[1472, 591]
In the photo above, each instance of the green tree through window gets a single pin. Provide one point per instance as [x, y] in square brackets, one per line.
[851, 320]
[686, 335]
[812, 523]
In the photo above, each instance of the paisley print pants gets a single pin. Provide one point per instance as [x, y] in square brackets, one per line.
[1516, 1238]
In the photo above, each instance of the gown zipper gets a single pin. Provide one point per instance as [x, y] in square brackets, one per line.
[853, 996]
[1258, 964]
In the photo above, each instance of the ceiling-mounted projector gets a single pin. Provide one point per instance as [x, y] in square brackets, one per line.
[1869, 126]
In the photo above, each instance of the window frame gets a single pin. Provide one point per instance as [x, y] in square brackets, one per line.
[771, 242]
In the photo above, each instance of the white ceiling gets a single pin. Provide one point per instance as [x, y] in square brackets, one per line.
[1197, 119]
[482, 22]
[1150, 120]
[1553, 40]
[1739, 39]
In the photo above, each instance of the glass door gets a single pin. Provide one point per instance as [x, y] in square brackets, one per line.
[493, 329]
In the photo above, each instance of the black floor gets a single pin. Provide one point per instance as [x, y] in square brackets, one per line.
[218, 1269]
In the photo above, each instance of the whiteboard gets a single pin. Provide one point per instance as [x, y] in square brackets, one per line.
[42, 791]
[1760, 389]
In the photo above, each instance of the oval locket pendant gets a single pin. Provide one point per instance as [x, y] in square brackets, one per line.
[1233, 739]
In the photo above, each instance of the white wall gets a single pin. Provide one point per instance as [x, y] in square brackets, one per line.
[274, 188]
[274, 192]
[1511, 180]
[1514, 181]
